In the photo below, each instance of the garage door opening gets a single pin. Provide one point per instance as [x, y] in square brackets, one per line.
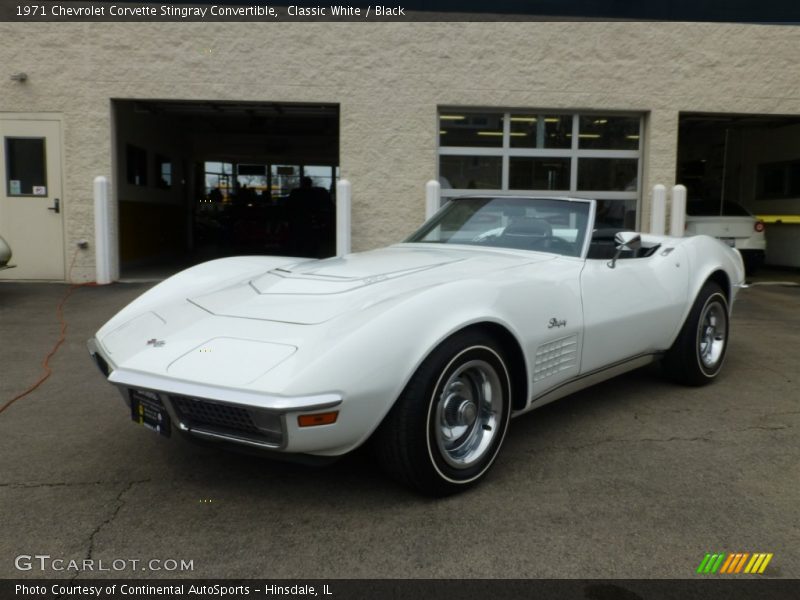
[198, 180]
[735, 163]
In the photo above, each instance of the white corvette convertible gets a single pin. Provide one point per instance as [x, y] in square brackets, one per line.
[496, 306]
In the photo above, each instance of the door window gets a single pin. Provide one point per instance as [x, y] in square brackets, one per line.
[26, 171]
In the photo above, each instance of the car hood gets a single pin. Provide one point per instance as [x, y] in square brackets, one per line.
[284, 314]
[315, 291]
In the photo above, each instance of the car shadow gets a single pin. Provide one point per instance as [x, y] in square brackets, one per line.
[349, 478]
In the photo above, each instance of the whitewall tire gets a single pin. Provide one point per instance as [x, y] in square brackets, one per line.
[698, 353]
[448, 425]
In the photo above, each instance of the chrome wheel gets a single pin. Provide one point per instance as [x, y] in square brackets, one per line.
[698, 352]
[447, 427]
[468, 414]
[712, 334]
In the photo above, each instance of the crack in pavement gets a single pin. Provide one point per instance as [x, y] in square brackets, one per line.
[764, 428]
[781, 373]
[46, 484]
[704, 438]
[119, 500]
[120, 504]
[779, 414]
[624, 441]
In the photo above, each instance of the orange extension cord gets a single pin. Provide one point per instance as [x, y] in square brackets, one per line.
[63, 336]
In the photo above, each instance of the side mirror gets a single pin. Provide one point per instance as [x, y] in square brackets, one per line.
[628, 240]
[625, 240]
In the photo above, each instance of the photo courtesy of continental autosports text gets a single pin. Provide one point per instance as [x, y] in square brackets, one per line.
[178, 590]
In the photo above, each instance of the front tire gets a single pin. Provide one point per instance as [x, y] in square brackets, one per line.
[446, 428]
[697, 355]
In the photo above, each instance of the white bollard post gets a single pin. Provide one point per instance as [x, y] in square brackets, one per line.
[102, 231]
[658, 210]
[343, 215]
[678, 211]
[433, 192]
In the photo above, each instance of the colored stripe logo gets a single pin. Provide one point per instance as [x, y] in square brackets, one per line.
[730, 563]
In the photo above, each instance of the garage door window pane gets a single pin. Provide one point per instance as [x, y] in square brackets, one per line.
[540, 131]
[608, 133]
[136, 165]
[285, 178]
[608, 174]
[475, 130]
[539, 173]
[164, 170]
[25, 167]
[321, 176]
[219, 184]
[471, 172]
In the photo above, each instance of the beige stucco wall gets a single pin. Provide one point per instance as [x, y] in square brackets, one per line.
[389, 79]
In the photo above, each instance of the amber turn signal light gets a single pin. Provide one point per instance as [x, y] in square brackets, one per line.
[327, 418]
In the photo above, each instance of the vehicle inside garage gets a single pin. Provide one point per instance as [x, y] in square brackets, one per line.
[731, 161]
[198, 180]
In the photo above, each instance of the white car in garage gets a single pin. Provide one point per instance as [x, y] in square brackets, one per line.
[731, 223]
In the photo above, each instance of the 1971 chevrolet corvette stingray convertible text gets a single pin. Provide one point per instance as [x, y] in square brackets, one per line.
[496, 306]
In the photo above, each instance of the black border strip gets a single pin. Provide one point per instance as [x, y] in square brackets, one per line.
[728, 11]
[707, 587]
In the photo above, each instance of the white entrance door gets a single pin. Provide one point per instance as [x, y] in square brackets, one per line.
[31, 207]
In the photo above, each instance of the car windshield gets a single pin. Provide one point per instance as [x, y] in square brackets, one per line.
[550, 225]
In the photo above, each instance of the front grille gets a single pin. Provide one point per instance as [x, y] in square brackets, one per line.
[213, 415]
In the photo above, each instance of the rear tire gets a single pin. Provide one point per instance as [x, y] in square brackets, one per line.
[697, 355]
[447, 426]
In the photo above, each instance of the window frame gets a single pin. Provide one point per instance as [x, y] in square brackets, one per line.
[574, 154]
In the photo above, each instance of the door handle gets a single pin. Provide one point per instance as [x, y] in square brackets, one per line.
[56, 208]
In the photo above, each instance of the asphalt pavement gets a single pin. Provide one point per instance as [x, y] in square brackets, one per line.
[634, 478]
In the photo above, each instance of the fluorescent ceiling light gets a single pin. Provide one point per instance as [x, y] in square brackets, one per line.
[500, 133]
[524, 119]
[452, 117]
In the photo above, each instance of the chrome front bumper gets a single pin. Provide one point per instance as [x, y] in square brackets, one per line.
[234, 416]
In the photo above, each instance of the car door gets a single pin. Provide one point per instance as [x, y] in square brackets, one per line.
[632, 309]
